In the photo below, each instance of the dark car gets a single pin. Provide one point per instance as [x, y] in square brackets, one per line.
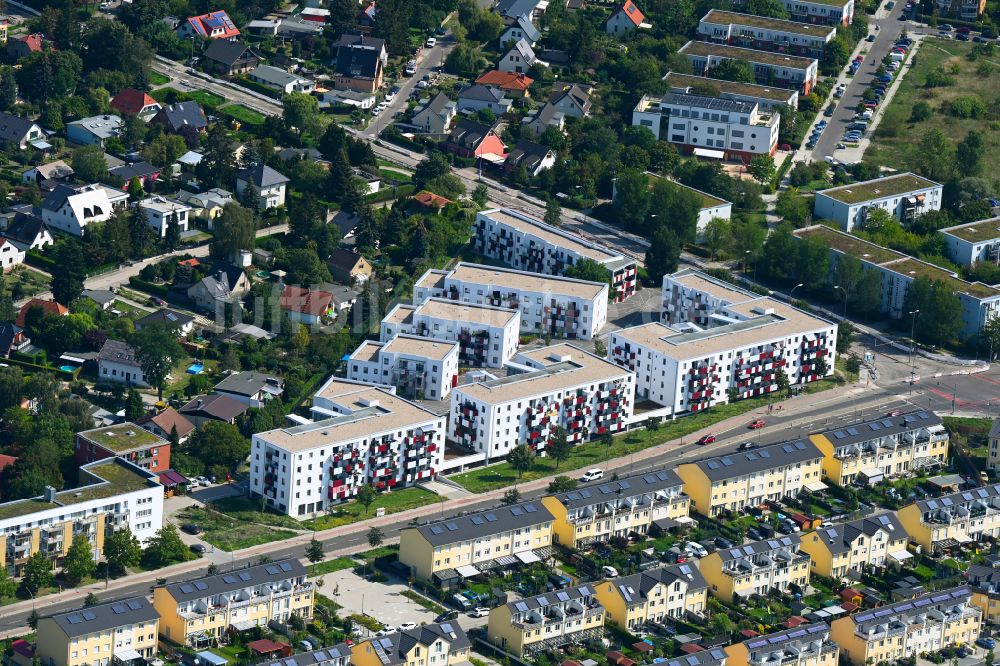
[723, 542]
[197, 548]
[157, 300]
[746, 446]
[446, 616]
[191, 528]
[755, 534]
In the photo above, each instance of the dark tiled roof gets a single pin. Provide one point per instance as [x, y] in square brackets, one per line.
[492, 521]
[90, 619]
[232, 581]
[220, 407]
[764, 546]
[881, 427]
[247, 383]
[527, 153]
[468, 133]
[165, 316]
[24, 229]
[840, 537]
[8, 331]
[176, 116]
[625, 487]
[117, 351]
[393, 649]
[481, 93]
[903, 611]
[262, 175]
[340, 653]
[767, 457]
[135, 170]
[227, 53]
[635, 588]
[14, 128]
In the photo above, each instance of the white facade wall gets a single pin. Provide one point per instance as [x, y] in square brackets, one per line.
[776, 35]
[851, 215]
[120, 372]
[387, 368]
[740, 129]
[158, 216]
[79, 210]
[965, 252]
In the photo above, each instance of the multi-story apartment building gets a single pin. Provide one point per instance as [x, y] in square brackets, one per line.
[764, 33]
[110, 494]
[687, 368]
[993, 444]
[337, 655]
[445, 551]
[805, 645]
[843, 550]
[203, 611]
[768, 98]
[825, 12]
[882, 448]
[966, 10]
[118, 632]
[486, 335]
[690, 296]
[551, 305]
[908, 628]
[418, 368]
[980, 302]
[674, 591]
[777, 69]
[443, 644]
[528, 244]
[968, 244]
[565, 388]
[757, 568]
[363, 435]
[962, 517]
[549, 621]
[123, 440]
[906, 196]
[985, 583]
[599, 512]
[711, 127]
[733, 481]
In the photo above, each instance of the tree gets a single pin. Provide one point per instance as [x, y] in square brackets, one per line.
[37, 573]
[521, 459]
[738, 71]
[935, 155]
[366, 496]
[762, 169]
[631, 203]
[8, 586]
[718, 234]
[553, 212]
[868, 298]
[793, 207]
[989, 337]
[218, 166]
[235, 230]
[940, 310]
[392, 23]
[79, 562]
[366, 233]
[847, 273]
[49, 75]
[314, 552]
[91, 600]
[722, 623]
[779, 247]
[36, 467]
[663, 254]
[771, 8]
[920, 112]
[219, 443]
[969, 153]
[134, 409]
[375, 537]
[172, 238]
[812, 263]
[157, 350]
[559, 446]
[511, 496]
[608, 440]
[435, 165]
[562, 484]
[8, 91]
[122, 550]
[11, 386]
[67, 282]
[301, 111]
[587, 269]
[164, 547]
[33, 618]
[878, 221]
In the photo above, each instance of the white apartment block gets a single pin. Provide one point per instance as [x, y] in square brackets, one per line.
[968, 244]
[779, 69]
[161, 212]
[567, 388]
[768, 98]
[550, 305]
[364, 435]
[825, 12]
[417, 368]
[486, 335]
[528, 244]
[710, 127]
[767, 34]
[905, 196]
[693, 297]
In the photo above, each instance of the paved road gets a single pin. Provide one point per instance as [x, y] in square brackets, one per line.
[249, 98]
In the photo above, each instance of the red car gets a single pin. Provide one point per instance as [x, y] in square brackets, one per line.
[757, 424]
[894, 412]
[706, 439]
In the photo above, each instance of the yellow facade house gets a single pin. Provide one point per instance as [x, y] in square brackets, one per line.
[839, 549]
[201, 612]
[907, 628]
[993, 446]
[962, 517]
[123, 632]
[547, 622]
[807, 645]
[444, 551]
[598, 512]
[882, 448]
[674, 591]
[442, 644]
[759, 567]
[985, 583]
[737, 480]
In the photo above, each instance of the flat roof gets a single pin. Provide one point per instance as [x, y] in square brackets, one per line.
[751, 55]
[483, 315]
[878, 188]
[915, 268]
[720, 17]
[782, 95]
[495, 276]
[122, 437]
[414, 345]
[432, 279]
[531, 225]
[976, 232]
[848, 244]
[565, 367]
[401, 314]
[720, 289]
[367, 351]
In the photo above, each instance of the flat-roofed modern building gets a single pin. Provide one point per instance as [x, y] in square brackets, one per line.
[566, 387]
[118, 632]
[882, 448]
[636, 503]
[734, 481]
[364, 435]
[417, 368]
[528, 244]
[486, 335]
[844, 550]
[694, 297]
[944, 522]
[758, 568]
[906, 196]
[805, 645]
[202, 611]
[825, 12]
[968, 244]
[891, 633]
[123, 440]
[551, 305]
[765, 33]
[676, 591]
[449, 550]
[547, 622]
[985, 583]
[980, 302]
[780, 69]
[768, 98]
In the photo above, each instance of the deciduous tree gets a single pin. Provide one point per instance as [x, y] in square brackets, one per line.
[156, 350]
[79, 562]
[122, 550]
[521, 459]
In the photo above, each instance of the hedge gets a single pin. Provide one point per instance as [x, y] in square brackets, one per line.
[147, 286]
[402, 141]
[67, 375]
[38, 260]
[388, 194]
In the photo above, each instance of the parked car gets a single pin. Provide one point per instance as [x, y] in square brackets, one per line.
[609, 572]
[706, 439]
[197, 548]
[411, 68]
[431, 41]
[696, 549]
[755, 534]
[963, 30]
[723, 542]
[447, 615]
[460, 601]
[962, 37]
[592, 475]
[986, 642]
[191, 528]
[946, 27]
[479, 611]
[158, 301]
[828, 112]
[746, 446]
[406, 626]
[757, 424]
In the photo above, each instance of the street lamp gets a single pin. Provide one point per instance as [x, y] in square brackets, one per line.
[913, 330]
[844, 292]
[793, 291]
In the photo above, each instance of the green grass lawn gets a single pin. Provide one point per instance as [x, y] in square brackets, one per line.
[158, 79]
[331, 566]
[179, 377]
[231, 534]
[897, 140]
[243, 114]
[208, 100]
[248, 510]
[392, 502]
[24, 281]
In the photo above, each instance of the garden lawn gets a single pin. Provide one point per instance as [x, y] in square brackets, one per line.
[331, 566]
[393, 502]
[243, 114]
[247, 510]
[208, 100]
[27, 282]
[158, 79]
[230, 534]
[897, 140]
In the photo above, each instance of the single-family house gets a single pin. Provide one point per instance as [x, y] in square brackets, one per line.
[174, 117]
[472, 139]
[214, 25]
[534, 157]
[104, 298]
[206, 408]
[519, 58]
[18, 132]
[477, 97]
[225, 57]
[143, 170]
[166, 423]
[225, 286]
[281, 79]
[431, 200]
[361, 62]
[161, 212]
[515, 84]
[251, 388]
[517, 28]
[306, 306]
[180, 322]
[11, 255]
[547, 116]
[266, 183]
[625, 18]
[116, 362]
[436, 115]
[71, 209]
[521, 8]
[572, 99]
[49, 306]
[53, 172]
[206, 205]
[12, 338]
[132, 102]
[28, 232]
[24, 45]
[348, 266]
[93, 131]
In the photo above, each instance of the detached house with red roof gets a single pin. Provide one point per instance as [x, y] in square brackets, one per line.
[515, 84]
[624, 19]
[214, 25]
[25, 45]
[471, 139]
[49, 307]
[306, 306]
[130, 101]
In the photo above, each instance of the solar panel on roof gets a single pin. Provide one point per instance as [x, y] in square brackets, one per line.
[816, 628]
[186, 589]
[74, 619]
[957, 593]
[752, 456]
[887, 423]
[920, 603]
[517, 511]
[478, 520]
[874, 426]
[932, 504]
[786, 448]
[272, 569]
[774, 640]
[229, 579]
[797, 634]
[946, 501]
[904, 607]
[562, 596]
[661, 475]
[853, 431]
[585, 494]
[756, 644]
[692, 660]
[649, 478]
[718, 654]
[713, 464]
[605, 489]
[586, 591]
[748, 550]
[736, 552]
[319, 656]
[764, 453]
[573, 496]
[839, 434]
[286, 566]
[133, 604]
[117, 609]
[385, 642]
[773, 543]
[884, 612]
[625, 484]
[201, 585]
[884, 520]
[491, 517]
[685, 569]
[941, 597]
[246, 577]
[967, 497]
[800, 446]
[727, 461]
[908, 418]
[521, 606]
[864, 617]
[447, 628]
[452, 527]
[437, 529]
[530, 507]
[982, 492]
[89, 615]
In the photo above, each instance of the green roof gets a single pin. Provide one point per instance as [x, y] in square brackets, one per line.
[117, 478]
[848, 244]
[749, 55]
[774, 94]
[878, 188]
[24, 508]
[122, 437]
[720, 17]
[976, 232]
[914, 268]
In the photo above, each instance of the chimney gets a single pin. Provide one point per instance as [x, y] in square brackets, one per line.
[50, 494]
